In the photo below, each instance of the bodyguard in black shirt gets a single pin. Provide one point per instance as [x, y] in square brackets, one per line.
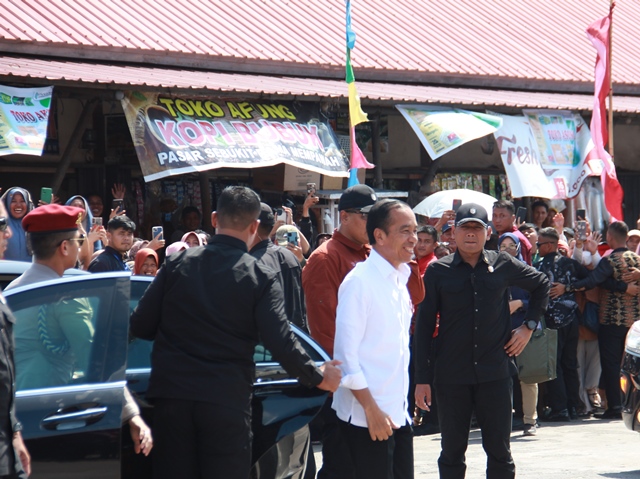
[206, 309]
[472, 361]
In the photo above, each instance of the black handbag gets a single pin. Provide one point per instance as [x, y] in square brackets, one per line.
[537, 361]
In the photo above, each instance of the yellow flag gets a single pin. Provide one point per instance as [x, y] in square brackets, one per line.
[356, 115]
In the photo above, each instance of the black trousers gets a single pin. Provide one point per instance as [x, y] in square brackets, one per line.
[336, 460]
[390, 459]
[492, 404]
[200, 440]
[611, 344]
[564, 391]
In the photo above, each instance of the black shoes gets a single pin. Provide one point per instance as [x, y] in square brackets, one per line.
[557, 416]
[610, 414]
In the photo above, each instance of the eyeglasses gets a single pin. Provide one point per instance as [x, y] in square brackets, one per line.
[505, 247]
[4, 223]
[80, 239]
[546, 242]
[358, 212]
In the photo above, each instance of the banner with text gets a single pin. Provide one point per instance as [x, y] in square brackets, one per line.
[174, 135]
[565, 144]
[443, 129]
[24, 114]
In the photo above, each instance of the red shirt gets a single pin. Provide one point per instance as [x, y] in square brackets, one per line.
[321, 277]
[425, 261]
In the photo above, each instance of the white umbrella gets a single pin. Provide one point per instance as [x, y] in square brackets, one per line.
[434, 205]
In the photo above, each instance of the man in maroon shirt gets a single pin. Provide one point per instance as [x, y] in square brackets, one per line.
[427, 242]
[503, 220]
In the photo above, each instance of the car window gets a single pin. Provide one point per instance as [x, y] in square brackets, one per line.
[56, 330]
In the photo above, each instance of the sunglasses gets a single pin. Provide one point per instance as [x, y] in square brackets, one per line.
[546, 242]
[80, 239]
[4, 223]
[358, 212]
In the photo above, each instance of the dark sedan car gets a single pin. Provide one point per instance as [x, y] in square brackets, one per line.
[71, 409]
[630, 379]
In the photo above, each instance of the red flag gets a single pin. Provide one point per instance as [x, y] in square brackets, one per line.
[598, 34]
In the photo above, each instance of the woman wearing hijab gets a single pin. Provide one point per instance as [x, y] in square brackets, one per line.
[175, 247]
[146, 263]
[525, 397]
[17, 202]
[192, 239]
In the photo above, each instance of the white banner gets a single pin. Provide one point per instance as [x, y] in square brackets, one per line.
[24, 114]
[521, 159]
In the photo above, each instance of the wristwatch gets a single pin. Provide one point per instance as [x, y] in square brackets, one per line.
[531, 324]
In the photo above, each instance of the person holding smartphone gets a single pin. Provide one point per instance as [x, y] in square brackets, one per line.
[503, 219]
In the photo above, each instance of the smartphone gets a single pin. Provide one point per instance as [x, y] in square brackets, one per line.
[581, 214]
[96, 220]
[292, 237]
[281, 215]
[117, 205]
[521, 214]
[456, 205]
[311, 189]
[581, 230]
[157, 230]
[46, 195]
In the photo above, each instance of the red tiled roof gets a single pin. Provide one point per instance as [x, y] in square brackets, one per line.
[419, 40]
[199, 82]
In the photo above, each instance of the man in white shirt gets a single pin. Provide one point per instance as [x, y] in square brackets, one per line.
[372, 341]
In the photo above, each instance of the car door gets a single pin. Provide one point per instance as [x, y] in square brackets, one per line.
[71, 338]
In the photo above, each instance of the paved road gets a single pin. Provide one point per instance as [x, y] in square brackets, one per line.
[584, 449]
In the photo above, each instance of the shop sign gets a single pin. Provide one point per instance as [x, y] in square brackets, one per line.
[442, 129]
[24, 114]
[546, 153]
[174, 135]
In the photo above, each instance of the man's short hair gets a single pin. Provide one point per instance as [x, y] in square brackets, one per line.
[380, 216]
[550, 233]
[619, 230]
[189, 209]
[535, 204]
[44, 245]
[121, 221]
[238, 207]
[527, 226]
[430, 230]
[506, 204]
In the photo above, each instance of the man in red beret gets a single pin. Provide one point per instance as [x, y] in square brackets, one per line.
[55, 235]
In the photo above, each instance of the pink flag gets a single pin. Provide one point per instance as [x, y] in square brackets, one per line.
[357, 157]
[598, 34]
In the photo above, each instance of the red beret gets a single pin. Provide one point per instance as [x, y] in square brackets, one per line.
[52, 219]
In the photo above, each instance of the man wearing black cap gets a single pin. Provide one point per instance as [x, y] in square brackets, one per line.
[284, 263]
[471, 364]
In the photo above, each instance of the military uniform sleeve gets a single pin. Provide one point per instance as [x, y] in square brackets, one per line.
[75, 318]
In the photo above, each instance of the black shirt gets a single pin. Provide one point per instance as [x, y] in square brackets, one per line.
[474, 324]
[108, 260]
[206, 310]
[285, 263]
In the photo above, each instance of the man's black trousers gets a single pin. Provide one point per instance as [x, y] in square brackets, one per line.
[390, 459]
[564, 391]
[200, 440]
[611, 340]
[492, 404]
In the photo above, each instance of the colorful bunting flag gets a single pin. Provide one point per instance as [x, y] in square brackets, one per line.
[356, 115]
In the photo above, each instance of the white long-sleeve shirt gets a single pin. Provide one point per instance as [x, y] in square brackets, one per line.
[372, 339]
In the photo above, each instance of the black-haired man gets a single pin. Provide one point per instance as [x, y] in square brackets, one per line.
[372, 341]
[120, 237]
[206, 310]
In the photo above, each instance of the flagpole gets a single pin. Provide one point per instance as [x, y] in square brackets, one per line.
[610, 79]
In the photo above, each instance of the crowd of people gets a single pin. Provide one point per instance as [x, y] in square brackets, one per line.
[424, 319]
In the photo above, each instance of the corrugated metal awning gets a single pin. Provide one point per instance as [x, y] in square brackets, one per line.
[180, 81]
